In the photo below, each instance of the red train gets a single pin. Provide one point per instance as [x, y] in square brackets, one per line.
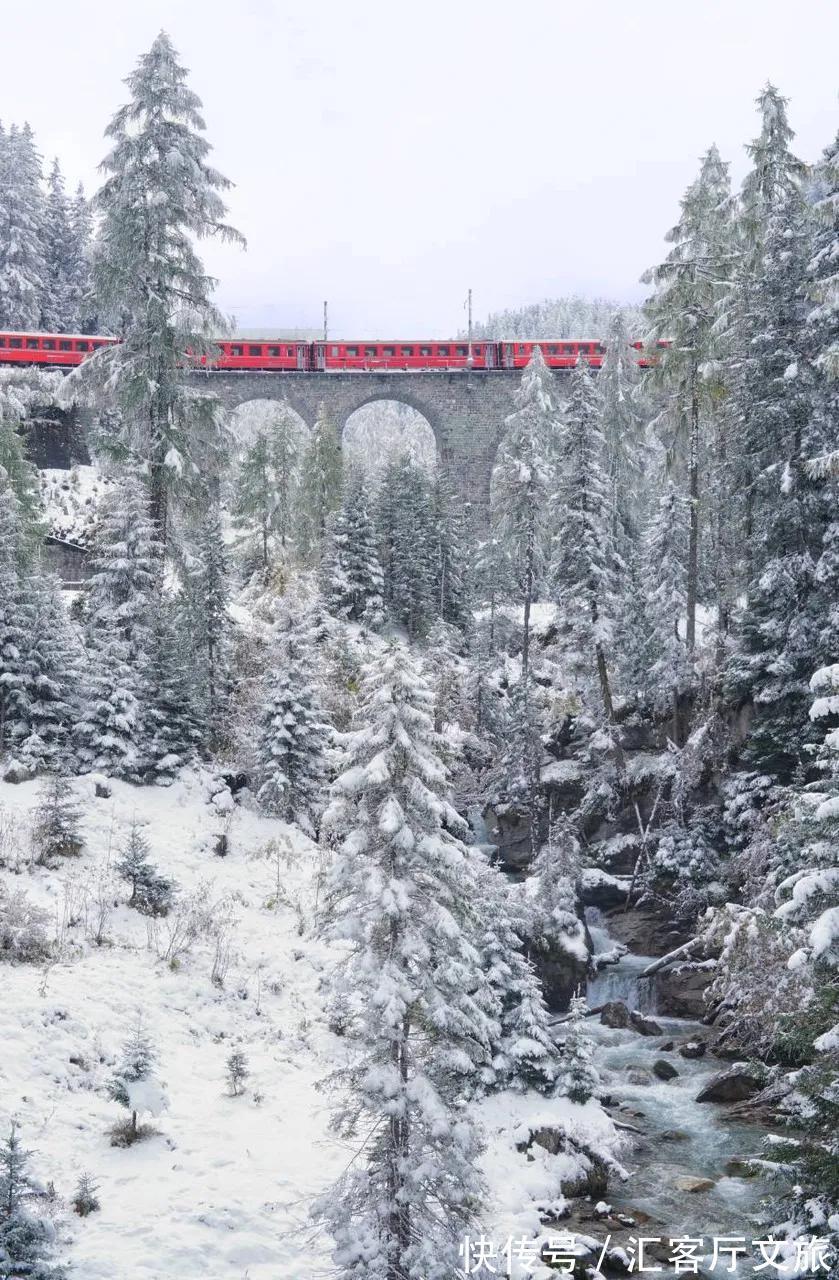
[336, 355]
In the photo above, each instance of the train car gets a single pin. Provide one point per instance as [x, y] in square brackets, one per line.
[49, 348]
[646, 361]
[559, 353]
[406, 355]
[267, 353]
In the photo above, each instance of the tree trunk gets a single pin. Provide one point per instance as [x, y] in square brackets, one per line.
[399, 1214]
[693, 498]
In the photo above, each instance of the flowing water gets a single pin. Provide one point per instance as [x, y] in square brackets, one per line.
[678, 1135]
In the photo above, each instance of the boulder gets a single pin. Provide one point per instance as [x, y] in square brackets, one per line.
[740, 1167]
[674, 1135]
[643, 1025]
[693, 1049]
[591, 1180]
[599, 889]
[668, 1046]
[735, 1085]
[689, 1183]
[510, 832]
[639, 1075]
[680, 991]
[561, 975]
[664, 1070]
[614, 1014]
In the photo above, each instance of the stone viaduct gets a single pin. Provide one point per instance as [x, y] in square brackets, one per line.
[466, 411]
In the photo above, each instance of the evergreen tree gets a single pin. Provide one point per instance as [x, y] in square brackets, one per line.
[171, 726]
[578, 1078]
[401, 892]
[664, 574]
[452, 551]
[266, 484]
[20, 391]
[55, 828]
[26, 1241]
[407, 546]
[151, 893]
[682, 312]
[134, 1084]
[626, 453]
[21, 230]
[59, 304]
[584, 564]
[320, 484]
[353, 581]
[51, 676]
[80, 279]
[14, 627]
[209, 624]
[293, 741]
[523, 483]
[160, 195]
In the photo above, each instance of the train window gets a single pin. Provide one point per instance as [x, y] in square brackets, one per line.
[49, 345]
[388, 351]
[15, 344]
[236, 351]
[274, 352]
[334, 351]
[2, 340]
[442, 351]
[552, 349]
[31, 344]
[407, 351]
[371, 351]
[254, 351]
[352, 351]
[425, 351]
[65, 346]
[478, 351]
[82, 346]
[461, 351]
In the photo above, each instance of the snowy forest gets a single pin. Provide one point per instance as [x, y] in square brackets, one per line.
[388, 892]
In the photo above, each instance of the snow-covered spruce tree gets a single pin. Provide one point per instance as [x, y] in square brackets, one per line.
[151, 893]
[578, 1076]
[265, 486]
[664, 576]
[585, 558]
[352, 578]
[319, 493]
[21, 230]
[80, 275]
[452, 553]
[407, 546]
[623, 426]
[121, 597]
[15, 624]
[682, 311]
[171, 725]
[20, 391]
[206, 616]
[524, 1054]
[293, 740]
[401, 892]
[555, 923]
[159, 196]
[523, 484]
[135, 1086]
[55, 826]
[52, 663]
[59, 302]
[27, 1242]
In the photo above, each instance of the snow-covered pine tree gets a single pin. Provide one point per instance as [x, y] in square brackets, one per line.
[159, 196]
[579, 1079]
[122, 595]
[209, 625]
[151, 893]
[401, 892]
[20, 391]
[320, 485]
[15, 626]
[21, 230]
[452, 553]
[80, 277]
[525, 1054]
[265, 487]
[59, 309]
[623, 426]
[555, 922]
[134, 1084]
[293, 740]
[52, 662]
[664, 573]
[584, 567]
[682, 312]
[353, 583]
[56, 822]
[407, 545]
[523, 484]
[27, 1242]
[171, 727]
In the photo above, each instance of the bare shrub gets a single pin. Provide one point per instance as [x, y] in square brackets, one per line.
[23, 933]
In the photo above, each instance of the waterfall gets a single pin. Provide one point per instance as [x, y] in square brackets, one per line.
[621, 981]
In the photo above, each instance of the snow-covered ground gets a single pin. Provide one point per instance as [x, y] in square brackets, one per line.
[223, 1189]
[71, 500]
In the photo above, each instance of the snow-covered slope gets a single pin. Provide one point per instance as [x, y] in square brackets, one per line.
[224, 1187]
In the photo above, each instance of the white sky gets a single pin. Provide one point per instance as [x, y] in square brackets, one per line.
[387, 155]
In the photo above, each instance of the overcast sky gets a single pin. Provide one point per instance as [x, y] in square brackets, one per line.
[388, 155]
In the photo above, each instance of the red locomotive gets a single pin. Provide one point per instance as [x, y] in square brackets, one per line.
[363, 355]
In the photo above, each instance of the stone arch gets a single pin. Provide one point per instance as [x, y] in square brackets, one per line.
[416, 435]
[398, 396]
[239, 414]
